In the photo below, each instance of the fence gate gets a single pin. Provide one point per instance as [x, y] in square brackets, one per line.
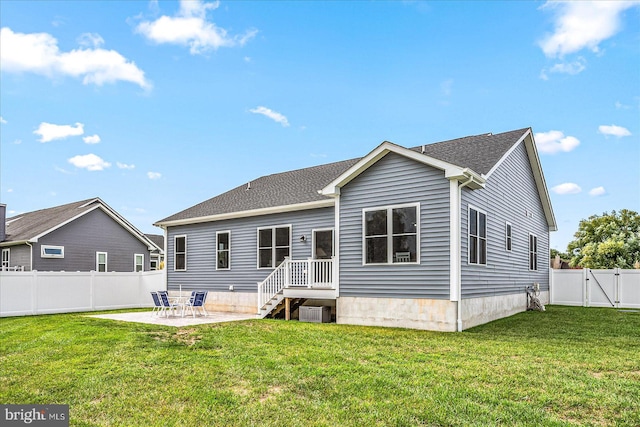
[603, 288]
[596, 288]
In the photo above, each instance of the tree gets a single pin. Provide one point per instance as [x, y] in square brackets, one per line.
[607, 241]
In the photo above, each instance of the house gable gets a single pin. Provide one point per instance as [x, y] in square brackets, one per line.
[395, 180]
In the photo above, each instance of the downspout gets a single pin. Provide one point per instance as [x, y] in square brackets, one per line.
[458, 272]
[30, 256]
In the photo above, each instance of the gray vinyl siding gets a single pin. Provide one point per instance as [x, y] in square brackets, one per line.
[82, 238]
[20, 256]
[509, 194]
[395, 180]
[244, 274]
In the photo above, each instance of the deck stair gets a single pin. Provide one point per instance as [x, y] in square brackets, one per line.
[293, 274]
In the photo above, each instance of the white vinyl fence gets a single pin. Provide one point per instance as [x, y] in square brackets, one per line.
[39, 292]
[596, 288]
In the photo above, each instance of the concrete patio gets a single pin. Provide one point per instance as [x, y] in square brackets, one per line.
[177, 321]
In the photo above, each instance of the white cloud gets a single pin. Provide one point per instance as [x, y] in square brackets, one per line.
[89, 162]
[90, 40]
[154, 175]
[273, 115]
[125, 166]
[189, 27]
[92, 139]
[3, 121]
[49, 132]
[582, 24]
[598, 191]
[614, 130]
[572, 68]
[567, 188]
[39, 53]
[17, 142]
[554, 141]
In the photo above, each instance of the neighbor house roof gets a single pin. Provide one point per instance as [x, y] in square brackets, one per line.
[30, 226]
[474, 156]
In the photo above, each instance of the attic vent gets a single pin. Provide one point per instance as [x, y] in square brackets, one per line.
[490, 133]
[249, 185]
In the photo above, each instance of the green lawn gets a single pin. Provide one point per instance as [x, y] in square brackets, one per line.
[566, 366]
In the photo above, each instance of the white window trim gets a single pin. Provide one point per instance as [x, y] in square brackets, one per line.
[313, 240]
[6, 263]
[508, 237]
[273, 248]
[531, 252]
[153, 264]
[135, 258]
[486, 238]
[106, 262]
[175, 253]
[390, 208]
[227, 250]
[45, 255]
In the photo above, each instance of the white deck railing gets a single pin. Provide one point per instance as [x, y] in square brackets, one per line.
[310, 273]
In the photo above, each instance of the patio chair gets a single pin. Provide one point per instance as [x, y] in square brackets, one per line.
[158, 307]
[167, 305]
[197, 301]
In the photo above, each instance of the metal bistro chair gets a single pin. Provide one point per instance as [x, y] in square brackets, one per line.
[197, 301]
[167, 305]
[158, 307]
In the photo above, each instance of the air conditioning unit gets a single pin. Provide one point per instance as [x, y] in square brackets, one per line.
[315, 314]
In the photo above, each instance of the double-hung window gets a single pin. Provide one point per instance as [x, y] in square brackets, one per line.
[274, 244]
[138, 262]
[391, 234]
[508, 238]
[477, 237]
[223, 250]
[101, 262]
[533, 252]
[180, 253]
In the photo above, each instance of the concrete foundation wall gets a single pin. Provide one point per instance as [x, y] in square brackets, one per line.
[415, 313]
[477, 311]
[234, 302]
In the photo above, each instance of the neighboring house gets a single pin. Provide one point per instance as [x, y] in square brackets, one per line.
[157, 256]
[83, 236]
[444, 236]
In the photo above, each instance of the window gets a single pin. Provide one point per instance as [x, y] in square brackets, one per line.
[322, 244]
[477, 237]
[223, 251]
[6, 256]
[533, 252]
[507, 237]
[138, 262]
[391, 235]
[101, 262]
[274, 244]
[48, 251]
[153, 264]
[180, 253]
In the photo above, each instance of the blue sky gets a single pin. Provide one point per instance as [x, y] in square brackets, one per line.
[156, 106]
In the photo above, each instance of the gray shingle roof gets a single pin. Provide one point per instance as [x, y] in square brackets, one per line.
[27, 226]
[479, 153]
[31, 224]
